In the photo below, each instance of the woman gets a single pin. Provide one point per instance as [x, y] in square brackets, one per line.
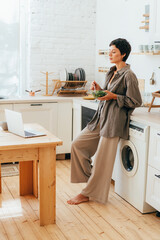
[109, 124]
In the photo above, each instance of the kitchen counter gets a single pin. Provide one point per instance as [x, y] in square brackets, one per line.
[141, 114]
[151, 118]
[37, 98]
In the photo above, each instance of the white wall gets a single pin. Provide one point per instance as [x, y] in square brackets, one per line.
[62, 35]
[122, 18]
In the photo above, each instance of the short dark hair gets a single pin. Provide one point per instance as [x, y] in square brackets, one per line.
[123, 45]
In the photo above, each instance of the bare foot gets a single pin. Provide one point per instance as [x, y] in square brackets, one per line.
[78, 199]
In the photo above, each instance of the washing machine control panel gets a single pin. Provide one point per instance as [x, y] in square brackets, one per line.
[138, 130]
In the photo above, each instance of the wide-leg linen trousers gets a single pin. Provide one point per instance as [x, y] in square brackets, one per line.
[98, 177]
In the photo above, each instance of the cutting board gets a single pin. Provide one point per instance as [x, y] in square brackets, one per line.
[89, 97]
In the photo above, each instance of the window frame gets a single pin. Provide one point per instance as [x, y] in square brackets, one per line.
[24, 50]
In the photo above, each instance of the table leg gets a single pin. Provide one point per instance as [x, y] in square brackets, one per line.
[35, 178]
[28, 176]
[47, 185]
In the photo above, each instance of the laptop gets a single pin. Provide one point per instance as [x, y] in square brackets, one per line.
[15, 125]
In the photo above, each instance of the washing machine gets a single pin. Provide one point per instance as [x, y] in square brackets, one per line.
[131, 167]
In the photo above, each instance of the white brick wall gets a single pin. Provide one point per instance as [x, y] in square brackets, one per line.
[62, 35]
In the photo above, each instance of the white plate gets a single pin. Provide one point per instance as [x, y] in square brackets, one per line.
[63, 75]
[84, 75]
[78, 74]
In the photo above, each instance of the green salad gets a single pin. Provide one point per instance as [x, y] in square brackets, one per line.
[98, 94]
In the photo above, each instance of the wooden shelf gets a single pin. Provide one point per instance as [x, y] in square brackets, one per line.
[145, 15]
[133, 53]
[103, 69]
[145, 53]
[144, 27]
[103, 52]
[145, 21]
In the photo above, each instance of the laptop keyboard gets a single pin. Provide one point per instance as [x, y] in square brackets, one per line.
[27, 134]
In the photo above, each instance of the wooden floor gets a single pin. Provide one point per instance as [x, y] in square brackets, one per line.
[117, 220]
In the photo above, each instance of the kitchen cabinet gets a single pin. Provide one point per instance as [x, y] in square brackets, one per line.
[2, 113]
[43, 113]
[154, 148]
[154, 20]
[77, 120]
[64, 126]
[153, 188]
[153, 177]
[56, 117]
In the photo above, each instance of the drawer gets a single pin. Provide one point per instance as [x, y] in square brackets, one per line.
[154, 148]
[153, 188]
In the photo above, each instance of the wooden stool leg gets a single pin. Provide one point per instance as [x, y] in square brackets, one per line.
[0, 179]
[28, 175]
[151, 104]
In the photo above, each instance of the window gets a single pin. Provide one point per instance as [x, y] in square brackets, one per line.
[9, 48]
[14, 24]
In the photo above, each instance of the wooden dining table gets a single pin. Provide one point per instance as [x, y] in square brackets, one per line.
[31, 153]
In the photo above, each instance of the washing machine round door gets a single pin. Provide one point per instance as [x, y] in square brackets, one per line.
[128, 157]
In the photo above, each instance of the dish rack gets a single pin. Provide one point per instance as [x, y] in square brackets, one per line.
[70, 87]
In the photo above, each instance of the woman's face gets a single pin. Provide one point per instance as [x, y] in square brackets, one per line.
[115, 55]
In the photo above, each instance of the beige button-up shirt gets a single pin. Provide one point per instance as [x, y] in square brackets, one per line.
[114, 115]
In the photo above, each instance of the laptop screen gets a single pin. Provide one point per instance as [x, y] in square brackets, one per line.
[14, 122]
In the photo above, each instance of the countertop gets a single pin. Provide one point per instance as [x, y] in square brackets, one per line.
[37, 98]
[141, 114]
[151, 118]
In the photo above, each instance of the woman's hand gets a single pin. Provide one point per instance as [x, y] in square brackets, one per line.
[95, 86]
[108, 96]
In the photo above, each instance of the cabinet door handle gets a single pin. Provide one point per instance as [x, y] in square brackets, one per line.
[36, 104]
[158, 134]
[157, 175]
